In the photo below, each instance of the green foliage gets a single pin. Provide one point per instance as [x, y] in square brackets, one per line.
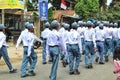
[50, 14]
[32, 6]
[87, 8]
[114, 12]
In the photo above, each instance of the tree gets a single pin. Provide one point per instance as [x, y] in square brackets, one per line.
[87, 8]
[114, 8]
[102, 4]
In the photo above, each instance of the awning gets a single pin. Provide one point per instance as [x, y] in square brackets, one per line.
[12, 4]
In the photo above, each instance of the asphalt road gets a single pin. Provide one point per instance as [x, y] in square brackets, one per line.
[99, 72]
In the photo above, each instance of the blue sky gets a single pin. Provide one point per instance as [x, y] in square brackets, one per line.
[109, 1]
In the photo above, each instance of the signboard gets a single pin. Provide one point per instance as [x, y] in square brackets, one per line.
[43, 10]
[12, 4]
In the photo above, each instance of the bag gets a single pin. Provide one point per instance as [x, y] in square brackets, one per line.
[117, 66]
[118, 78]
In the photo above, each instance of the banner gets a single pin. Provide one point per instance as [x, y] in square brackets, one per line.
[12, 4]
[43, 10]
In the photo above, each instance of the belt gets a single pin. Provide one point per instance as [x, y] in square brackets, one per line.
[88, 41]
[108, 38]
[45, 39]
[3, 46]
[98, 41]
[72, 44]
[25, 46]
[54, 46]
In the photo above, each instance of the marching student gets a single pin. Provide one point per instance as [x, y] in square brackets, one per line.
[3, 49]
[114, 36]
[81, 29]
[28, 43]
[100, 37]
[54, 42]
[65, 40]
[90, 45]
[44, 35]
[74, 47]
[61, 31]
[24, 32]
[108, 41]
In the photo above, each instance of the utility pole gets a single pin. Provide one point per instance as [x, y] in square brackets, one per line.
[3, 16]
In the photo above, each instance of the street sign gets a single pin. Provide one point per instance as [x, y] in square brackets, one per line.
[43, 10]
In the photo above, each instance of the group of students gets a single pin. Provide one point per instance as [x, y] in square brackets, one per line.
[68, 40]
[95, 41]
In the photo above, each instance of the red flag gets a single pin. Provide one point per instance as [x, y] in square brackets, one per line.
[63, 4]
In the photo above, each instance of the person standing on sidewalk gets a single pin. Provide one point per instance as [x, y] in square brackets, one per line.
[3, 49]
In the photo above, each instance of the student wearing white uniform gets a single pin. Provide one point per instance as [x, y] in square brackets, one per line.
[54, 42]
[28, 40]
[65, 40]
[25, 31]
[115, 36]
[81, 30]
[44, 35]
[74, 47]
[90, 45]
[61, 31]
[100, 37]
[3, 49]
[108, 41]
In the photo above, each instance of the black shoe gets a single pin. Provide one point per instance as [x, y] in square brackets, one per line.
[44, 63]
[25, 76]
[62, 57]
[64, 64]
[76, 72]
[96, 60]
[67, 63]
[71, 73]
[32, 73]
[80, 60]
[83, 52]
[90, 66]
[87, 67]
[13, 71]
[50, 61]
[101, 63]
[106, 59]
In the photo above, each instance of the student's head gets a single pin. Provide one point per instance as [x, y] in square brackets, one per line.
[116, 54]
[30, 28]
[2, 28]
[74, 25]
[115, 25]
[89, 24]
[26, 24]
[55, 24]
[67, 26]
[47, 25]
[101, 26]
